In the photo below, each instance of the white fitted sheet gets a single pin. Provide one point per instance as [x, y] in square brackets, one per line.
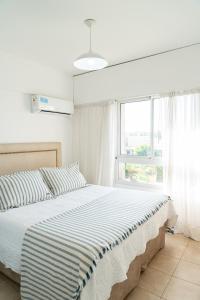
[14, 222]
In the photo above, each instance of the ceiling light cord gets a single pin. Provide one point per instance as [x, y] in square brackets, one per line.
[89, 23]
[90, 38]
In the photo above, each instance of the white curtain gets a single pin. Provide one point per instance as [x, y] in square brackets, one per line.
[181, 157]
[94, 141]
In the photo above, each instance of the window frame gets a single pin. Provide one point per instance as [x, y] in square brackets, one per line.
[149, 160]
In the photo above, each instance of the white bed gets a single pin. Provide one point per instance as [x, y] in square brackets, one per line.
[14, 223]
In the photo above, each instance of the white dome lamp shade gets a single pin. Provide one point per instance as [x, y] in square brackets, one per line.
[90, 61]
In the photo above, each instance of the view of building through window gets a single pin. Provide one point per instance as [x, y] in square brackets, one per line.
[140, 142]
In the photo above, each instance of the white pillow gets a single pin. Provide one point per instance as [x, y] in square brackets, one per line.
[22, 188]
[63, 180]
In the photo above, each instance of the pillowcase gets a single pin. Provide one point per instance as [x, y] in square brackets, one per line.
[22, 188]
[63, 180]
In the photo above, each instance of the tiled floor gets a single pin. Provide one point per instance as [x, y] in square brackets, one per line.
[174, 274]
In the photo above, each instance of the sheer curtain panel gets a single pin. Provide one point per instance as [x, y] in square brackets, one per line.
[181, 158]
[94, 141]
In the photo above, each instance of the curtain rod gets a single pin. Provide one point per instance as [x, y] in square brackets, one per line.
[179, 93]
[129, 99]
[162, 95]
[97, 103]
[140, 58]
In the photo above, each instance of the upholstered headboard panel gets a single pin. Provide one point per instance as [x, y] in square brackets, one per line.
[30, 156]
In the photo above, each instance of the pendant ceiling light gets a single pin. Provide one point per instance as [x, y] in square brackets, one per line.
[90, 61]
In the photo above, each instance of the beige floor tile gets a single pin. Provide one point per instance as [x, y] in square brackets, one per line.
[181, 290]
[188, 271]
[141, 294]
[154, 281]
[175, 245]
[192, 254]
[176, 238]
[193, 243]
[164, 263]
[173, 250]
[9, 290]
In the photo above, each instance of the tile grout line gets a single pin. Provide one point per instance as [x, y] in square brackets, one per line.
[188, 261]
[185, 261]
[147, 290]
[181, 258]
[171, 276]
[186, 281]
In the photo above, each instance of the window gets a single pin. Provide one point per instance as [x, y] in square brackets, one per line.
[139, 160]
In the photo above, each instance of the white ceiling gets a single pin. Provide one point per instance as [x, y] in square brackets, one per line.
[52, 33]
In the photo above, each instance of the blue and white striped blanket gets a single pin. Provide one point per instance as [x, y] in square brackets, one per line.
[60, 254]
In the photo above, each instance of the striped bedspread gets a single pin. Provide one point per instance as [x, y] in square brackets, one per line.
[60, 254]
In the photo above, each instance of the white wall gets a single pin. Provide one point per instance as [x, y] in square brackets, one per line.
[18, 79]
[159, 74]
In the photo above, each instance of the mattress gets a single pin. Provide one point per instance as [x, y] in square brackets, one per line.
[14, 223]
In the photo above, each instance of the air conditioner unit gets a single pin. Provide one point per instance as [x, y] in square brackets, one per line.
[51, 105]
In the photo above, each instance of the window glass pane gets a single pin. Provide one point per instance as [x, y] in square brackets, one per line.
[136, 128]
[139, 173]
[157, 128]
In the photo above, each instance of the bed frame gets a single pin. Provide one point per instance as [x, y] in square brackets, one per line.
[16, 157]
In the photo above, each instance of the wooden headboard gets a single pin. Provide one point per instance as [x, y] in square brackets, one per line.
[30, 156]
